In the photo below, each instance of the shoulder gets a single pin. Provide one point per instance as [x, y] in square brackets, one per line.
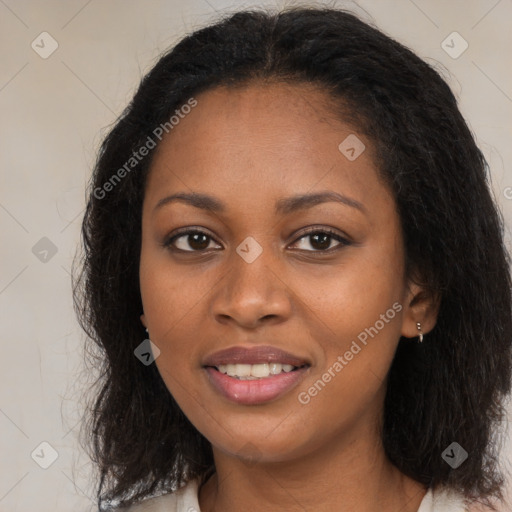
[182, 500]
[443, 500]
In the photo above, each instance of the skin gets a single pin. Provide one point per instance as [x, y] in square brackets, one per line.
[249, 147]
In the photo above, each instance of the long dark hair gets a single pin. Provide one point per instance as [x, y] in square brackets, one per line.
[448, 389]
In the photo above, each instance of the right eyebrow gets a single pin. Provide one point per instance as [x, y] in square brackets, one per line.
[202, 201]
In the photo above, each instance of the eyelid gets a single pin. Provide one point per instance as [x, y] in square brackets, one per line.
[322, 229]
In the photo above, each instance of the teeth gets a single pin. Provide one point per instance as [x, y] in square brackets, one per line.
[242, 370]
[254, 371]
[275, 368]
[260, 370]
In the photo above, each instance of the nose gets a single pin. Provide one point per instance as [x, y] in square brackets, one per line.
[252, 293]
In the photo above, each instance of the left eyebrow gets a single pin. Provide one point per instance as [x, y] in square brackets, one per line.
[300, 202]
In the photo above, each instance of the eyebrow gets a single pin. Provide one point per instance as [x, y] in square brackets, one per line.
[283, 206]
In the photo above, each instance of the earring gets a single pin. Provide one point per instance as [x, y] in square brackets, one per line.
[420, 334]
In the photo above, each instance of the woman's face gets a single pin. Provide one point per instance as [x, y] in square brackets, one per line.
[263, 276]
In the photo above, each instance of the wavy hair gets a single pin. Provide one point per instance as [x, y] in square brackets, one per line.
[450, 388]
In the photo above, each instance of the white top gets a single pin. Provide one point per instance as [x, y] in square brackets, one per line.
[186, 500]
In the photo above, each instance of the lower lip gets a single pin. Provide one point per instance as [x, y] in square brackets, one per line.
[250, 392]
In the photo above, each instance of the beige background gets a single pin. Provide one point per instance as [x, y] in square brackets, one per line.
[54, 113]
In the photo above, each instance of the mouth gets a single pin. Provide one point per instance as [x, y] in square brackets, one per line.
[256, 371]
[253, 356]
[256, 375]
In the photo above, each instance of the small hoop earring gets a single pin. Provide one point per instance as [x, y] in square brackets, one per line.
[420, 334]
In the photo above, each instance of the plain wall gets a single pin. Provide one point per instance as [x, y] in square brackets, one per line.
[54, 113]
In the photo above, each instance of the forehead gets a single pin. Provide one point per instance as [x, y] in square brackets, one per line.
[259, 140]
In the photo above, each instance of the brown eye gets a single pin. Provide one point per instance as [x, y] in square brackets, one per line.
[190, 241]
[320, 240]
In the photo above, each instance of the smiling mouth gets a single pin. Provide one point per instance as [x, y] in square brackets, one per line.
[255, 384]
[256, 371]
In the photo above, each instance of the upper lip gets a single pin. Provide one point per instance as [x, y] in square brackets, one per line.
[253, 355]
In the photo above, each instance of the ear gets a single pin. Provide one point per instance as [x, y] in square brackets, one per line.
[143, 320]
[419, 306]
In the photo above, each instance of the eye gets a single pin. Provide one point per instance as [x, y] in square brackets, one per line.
[320, 239]
[190, 240]
[196, 240]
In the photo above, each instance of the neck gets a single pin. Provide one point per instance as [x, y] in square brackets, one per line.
[352, 475]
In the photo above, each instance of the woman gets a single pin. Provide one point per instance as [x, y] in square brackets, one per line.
[294, 209]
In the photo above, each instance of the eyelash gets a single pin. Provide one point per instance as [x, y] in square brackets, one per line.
[168, 242]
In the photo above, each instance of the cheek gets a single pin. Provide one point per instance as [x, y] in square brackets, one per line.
[352, 296]
[170, 292]
[166, 300]
[355, 320]
[357, 327]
